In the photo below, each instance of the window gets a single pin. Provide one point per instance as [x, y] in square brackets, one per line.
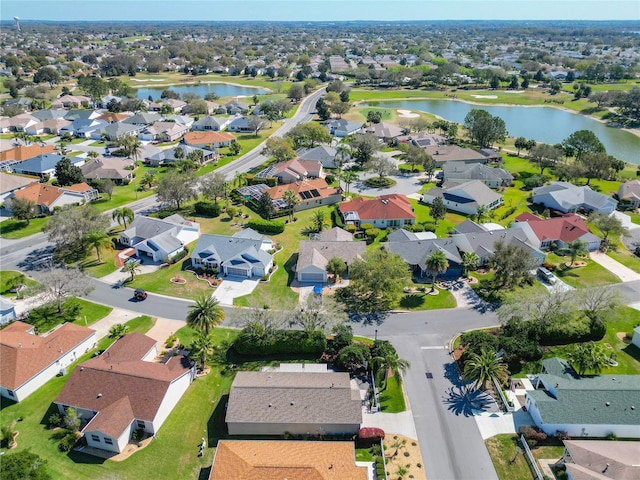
[108, 441]
[95, 438]
[141, 424]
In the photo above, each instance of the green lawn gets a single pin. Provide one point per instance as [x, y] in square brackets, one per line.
[424, 301]
[591, 275]
[7, 277]
[635, 218]
[90, 312]
[626, 258]
[392, 398]
[502, 449]
[13, 228]
[160, 282]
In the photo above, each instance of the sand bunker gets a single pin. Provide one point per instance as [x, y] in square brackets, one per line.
[484, 96]
[514, 91]
[407, 114]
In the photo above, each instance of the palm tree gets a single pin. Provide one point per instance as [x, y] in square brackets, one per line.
[343, 150]
[205, 314]
[202, 347]
[291, 199]
[437, 263]
[97, 239]
[122, 215]
[577, 248]
[389, 363]
[135, 147]
[482, 214]
[149, 179]
[349, 176]
[119, 330]
[131, 267]
[588, 356]
[318, 220]
[481, 368]
[470, 261]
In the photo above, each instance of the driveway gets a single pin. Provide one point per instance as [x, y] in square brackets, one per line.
[406, 184]
[624, 273]
[233, 287]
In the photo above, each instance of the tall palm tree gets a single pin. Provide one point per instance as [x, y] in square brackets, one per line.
[132, 268]
[205, 314]
[577, 248]
[319, 220]
[482, 367]
[122, 215]
[470, 261]
[202, 347]
[135, 147]
[389, 363]
[437, 263]
[97, 239]
[343, 150]
[349, 176]
[291, 199]
[483, 214]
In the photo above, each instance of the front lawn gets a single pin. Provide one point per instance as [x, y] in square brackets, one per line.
[90, 312]
[511, 465]
[7, 279]
[13, 228]
[392, 398]
[160, 282]
[424, 301]
[591, 275]
[626, 258]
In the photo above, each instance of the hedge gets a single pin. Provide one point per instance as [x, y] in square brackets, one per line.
[281, 341]
[208, 209]
[267, 226]
[370, 433]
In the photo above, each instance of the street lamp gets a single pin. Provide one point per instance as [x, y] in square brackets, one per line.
[375, 338]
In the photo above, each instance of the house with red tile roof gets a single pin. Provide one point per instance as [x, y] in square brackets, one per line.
[47, 197]
[208, 139]
[28, 361]
[392, 210]
[560, 230]
[291, 460]
[24, 152]
[124, 390]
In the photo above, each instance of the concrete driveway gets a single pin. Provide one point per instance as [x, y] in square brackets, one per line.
[233, 287]
[624, 273]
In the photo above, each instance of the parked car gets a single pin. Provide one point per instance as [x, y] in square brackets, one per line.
[546, 275]
[637, 251]
[140, 295]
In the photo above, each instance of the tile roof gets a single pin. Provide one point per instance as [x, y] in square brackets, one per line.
[384, 207]
[24, 152]
[206, 137]
[285, 397]
[317, 188]
[290, 460]
[23, 355]
[40, 193]
[566, 228]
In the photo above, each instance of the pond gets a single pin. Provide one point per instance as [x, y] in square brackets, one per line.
[220, 89]
[543, 124]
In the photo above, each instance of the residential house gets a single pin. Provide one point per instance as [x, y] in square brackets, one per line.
[466, 197]
[314, 255]
[272, 403]
[115, 131]
[385, 211]
[175, 104]
[83, 128]
[560, 231]
[164, 157]
[322, 153]
[416, 252]
[208, 139]
[159, 239]
[112, 168]
[235, 107]
[240, 124]
[28, 361]
[483, 243]
[19, 123]
[18, 153]
[402, 235]
[492, 177]
[235, 256]
[629, 193]
[47, 197]
[143, 118]
[85, 189]
[49, 114]
[601, 459]
[124, 390]
[593, 406]
[52, 126]
[163, 132]
[292, 171]
[311, 193]
[214, 124]
[72, 101]
[184, 120]
[81, 114]
[43, 165]
[7, 310]
[10, 183]
[341, 127]
[113, 117]
[293, 460]
[423, 139]
[385, 132]
[568, 198]
[442, 154]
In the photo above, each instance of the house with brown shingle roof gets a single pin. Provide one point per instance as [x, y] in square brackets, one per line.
[392, 210]
[47, 197]
[24, 152]
[291, 460]
[124, 390]
[10, 183]
[28, 361]
[272, 403]
[293, 170]
[111, 168]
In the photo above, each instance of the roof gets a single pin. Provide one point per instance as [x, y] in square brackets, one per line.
[475, 171]
[320, 153]
[40, 163]
[288, 397]
[291, 460]
[473, 191]
[162, 232]
[319, 252]
[143, 118]
[384, 207]
[42, 194]
[23, 355]
[79, 187]
[483, 243]
[221, 249]
[169, 154]
[416, 252]
[629, 189]
[10, 182]
[570, 196]
[469, 226]
[336, 234]
[24, 152]
[107, 167]
[593, 400]
[342, 125]
[120, 386]
[203, 138]
[566, 228]
[603, 459]
[449, 153]
[296, 168]
[306, 189]
[385, 130]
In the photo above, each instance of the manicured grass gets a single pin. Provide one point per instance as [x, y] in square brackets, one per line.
[591, 275]
[502, 449]
[392, 398]
[142, 324]
[424, 301]
[422, 212]
[160, 282]
[635, 218]
[626, 258]
[90, 312]
[363, 455]
[13, 228]
[90, 264]
[7, 276]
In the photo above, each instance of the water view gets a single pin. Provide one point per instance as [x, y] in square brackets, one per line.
[220, 89]
[543, 124]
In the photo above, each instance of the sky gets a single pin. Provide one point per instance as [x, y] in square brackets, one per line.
[318, 10]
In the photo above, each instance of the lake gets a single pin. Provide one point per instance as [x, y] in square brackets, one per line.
[220, 89]
[543, 124]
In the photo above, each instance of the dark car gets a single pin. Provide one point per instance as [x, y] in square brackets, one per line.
[637, 251]
[140, 295]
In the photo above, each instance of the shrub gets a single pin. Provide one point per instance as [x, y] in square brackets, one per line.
[351, 228]
[429, 227]
[207, 209]
[534, 181]
[417, 227]
[179, 256]
[532, 435]
[562, 435]
[330, 179]
[267, 226]
[68, 441]
[251, 342]
[55, 420]
[371, 434]
[336, 218]
[372, 233]
[366, 226]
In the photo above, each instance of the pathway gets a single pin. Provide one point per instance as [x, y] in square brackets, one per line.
[624, 273]
[159, 332]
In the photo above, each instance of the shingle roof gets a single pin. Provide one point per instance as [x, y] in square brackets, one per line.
[291, 460]
[629, 189]
[295, 167]
[285, 397]
[106, 167]
[202, 138]
[600, 459]
[483, 243]
[473, 191]
[319, 252]
[566, 228]
[475, 171]
[384, 207]
[221, 248]
[320, 153]
[10, 182]
[571, 196]
[23, 355]
[40, 163]
[416, 252]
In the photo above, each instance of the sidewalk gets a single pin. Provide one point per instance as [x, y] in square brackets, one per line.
[624, 273]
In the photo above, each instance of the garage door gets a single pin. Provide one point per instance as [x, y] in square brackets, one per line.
[241, 272]
[312, 277]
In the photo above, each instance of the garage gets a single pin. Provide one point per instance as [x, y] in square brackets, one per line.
[240, 272]
[311, 277]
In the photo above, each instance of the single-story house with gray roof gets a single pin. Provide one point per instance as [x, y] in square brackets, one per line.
[235, 256]
[341, 127]
[116, 130]
[583, 406]
[214, 124]
[465, 198]
[322, 153]
[569, 198]
[164, 157]
[415, 252]
[629, 193]
[459, 172]
[43, 165]
[272, 403]
[160, 239]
